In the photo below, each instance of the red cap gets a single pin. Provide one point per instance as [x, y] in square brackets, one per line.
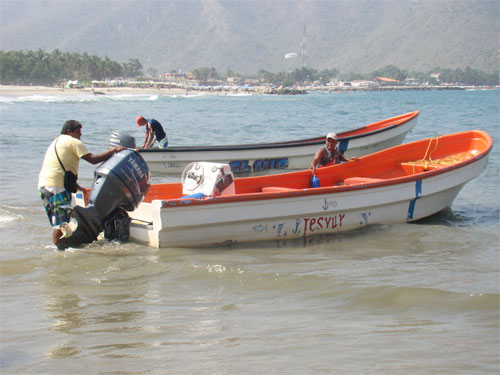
[139, 119]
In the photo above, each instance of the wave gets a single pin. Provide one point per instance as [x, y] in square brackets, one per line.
[76, 98]
[91, 98]
[131, 97]
[7, 216]
[47, 99]
[405, 297]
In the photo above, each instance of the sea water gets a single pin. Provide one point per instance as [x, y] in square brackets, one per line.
[420, 298]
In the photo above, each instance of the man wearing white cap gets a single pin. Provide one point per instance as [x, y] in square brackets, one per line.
[329, 154]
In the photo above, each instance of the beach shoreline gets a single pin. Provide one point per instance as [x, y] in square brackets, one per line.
[20, 91]
[13, 90]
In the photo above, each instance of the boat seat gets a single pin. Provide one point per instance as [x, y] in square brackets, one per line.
[276, 189]
[361, 180]
[412, 168]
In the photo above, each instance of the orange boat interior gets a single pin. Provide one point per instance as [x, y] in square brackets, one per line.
[407, 161]
[398, 120]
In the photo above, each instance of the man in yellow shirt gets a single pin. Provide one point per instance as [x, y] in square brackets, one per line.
[51, 178]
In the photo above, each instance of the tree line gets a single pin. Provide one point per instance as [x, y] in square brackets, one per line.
[43, 68]
[468, 76]
[306, 76]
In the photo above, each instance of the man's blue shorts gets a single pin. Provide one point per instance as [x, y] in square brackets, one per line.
[163, 143]
[52, 204]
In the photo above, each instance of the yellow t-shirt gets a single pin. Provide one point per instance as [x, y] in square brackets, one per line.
[70, 150]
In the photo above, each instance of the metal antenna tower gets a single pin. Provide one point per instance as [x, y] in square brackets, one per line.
[303, 47]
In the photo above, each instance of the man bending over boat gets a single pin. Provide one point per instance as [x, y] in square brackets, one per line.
[69, 150]
[153, 129]
[329, 154]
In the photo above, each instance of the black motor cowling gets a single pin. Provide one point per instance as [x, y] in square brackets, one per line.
[121, 139]
[122, 180]
[119, 185]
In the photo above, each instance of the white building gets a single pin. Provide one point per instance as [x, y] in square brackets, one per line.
[365, 84]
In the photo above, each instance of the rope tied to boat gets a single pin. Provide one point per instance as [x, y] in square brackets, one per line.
[429, 146]
[424, 159]
[443, 162]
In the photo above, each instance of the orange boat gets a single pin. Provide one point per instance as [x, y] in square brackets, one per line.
[291, 155]
[401, 184]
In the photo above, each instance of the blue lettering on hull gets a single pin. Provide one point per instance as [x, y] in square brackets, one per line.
[258, 165]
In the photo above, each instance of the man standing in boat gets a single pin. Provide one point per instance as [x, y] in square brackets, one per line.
[153, 130]
[329, 154]
[53, 193]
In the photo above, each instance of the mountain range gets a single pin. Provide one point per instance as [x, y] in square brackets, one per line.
[249, 35]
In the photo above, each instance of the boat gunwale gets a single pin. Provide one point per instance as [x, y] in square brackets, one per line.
[344, 136]
[303, 192]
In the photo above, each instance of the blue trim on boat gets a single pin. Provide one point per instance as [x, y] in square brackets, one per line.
[344, 143]
[418, 193]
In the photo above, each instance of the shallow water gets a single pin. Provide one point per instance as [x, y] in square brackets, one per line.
[391, 299]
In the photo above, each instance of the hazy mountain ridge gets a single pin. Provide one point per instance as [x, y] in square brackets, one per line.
[247, 36]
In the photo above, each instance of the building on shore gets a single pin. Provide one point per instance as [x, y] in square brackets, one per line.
[385, 81]
[362, 83]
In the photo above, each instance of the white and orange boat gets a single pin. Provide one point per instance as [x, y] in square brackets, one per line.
[288, 155]
[400, 184]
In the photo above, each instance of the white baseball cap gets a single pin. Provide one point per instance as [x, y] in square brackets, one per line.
[332, 136]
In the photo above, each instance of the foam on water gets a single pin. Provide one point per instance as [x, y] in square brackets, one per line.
[81, 98]
[7, 216]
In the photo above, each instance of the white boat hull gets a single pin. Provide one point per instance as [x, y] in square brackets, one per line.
[294, 156]
[186, 225]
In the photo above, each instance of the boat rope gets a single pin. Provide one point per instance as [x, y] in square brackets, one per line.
[428, 147]
[449, 160]
[424, 160]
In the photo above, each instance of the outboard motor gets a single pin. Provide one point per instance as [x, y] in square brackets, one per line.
[121, 139]
[119, 185]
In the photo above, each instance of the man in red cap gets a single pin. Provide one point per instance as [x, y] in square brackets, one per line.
[153, 130]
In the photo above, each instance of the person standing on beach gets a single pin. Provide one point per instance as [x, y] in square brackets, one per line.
[70, 150]
[329, 154]
[153, 130]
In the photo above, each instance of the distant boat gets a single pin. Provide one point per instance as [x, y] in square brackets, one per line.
[293, 155]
